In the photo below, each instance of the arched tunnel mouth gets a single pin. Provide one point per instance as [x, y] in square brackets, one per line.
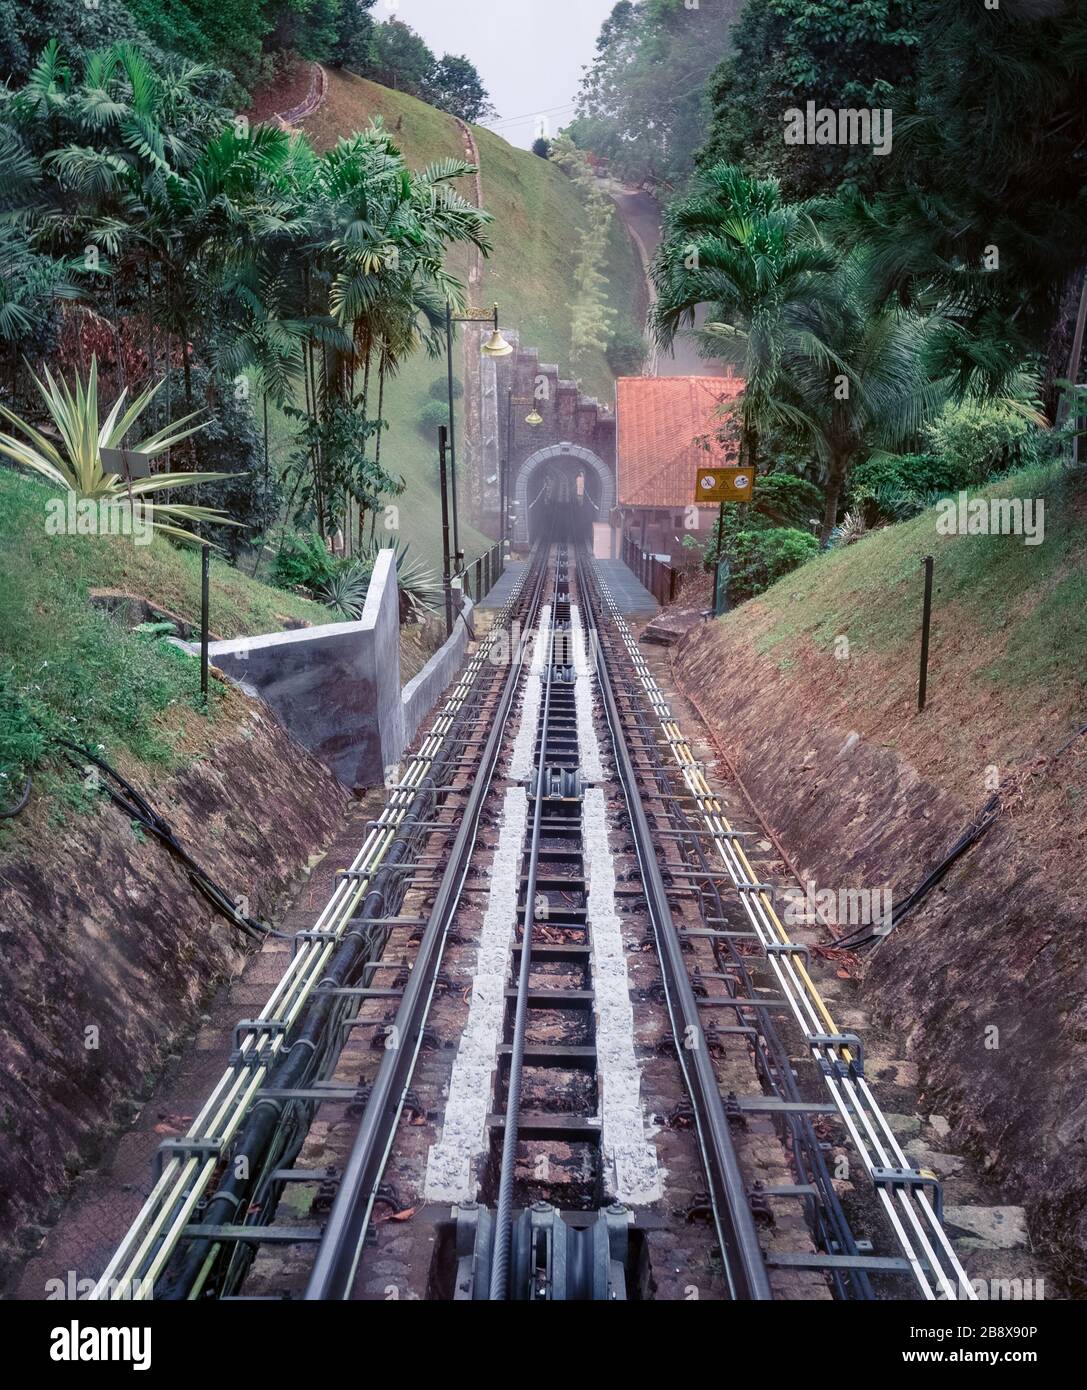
[563, 500]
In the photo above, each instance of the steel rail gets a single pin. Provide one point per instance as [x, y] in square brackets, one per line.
[909, 1206]
[341, 1243]
[152, 1237]
[744, 1265]
[503, 1227]
[773, 1062]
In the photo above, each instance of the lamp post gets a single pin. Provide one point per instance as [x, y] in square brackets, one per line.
[495, 346]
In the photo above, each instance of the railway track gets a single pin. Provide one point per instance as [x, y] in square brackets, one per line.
[551, 941]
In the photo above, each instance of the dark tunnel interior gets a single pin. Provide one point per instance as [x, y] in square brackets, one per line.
[563, 501]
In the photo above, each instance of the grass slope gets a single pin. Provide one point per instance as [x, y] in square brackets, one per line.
[68, 667]
[1009, 631]
[537, 216]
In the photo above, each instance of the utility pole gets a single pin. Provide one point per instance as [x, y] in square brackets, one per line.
[447, 591]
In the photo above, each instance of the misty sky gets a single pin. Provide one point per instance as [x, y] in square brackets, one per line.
[529, 52]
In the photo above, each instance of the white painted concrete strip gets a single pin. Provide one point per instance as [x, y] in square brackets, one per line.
[588, 744]
[449, 1176]
[524, 745]
[633, 1160]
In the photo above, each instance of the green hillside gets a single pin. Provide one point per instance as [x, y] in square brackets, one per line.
[537, 215]
[1009, 626]
[68, 667]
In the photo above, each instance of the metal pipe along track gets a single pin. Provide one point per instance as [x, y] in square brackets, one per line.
[546, 1103]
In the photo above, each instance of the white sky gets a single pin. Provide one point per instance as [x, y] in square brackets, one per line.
[529, 52]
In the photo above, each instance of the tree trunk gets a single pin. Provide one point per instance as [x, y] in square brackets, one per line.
[1061, 336]
[836, 474]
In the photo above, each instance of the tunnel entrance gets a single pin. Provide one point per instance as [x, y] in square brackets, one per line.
[560, 491]
[563, 501]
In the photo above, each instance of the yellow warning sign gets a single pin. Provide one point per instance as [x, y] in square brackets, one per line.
[729, 484]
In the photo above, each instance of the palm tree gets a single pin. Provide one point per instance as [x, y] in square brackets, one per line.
[763, 270]
[865, 377]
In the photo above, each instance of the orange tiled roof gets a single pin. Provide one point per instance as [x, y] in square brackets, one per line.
[658, 420]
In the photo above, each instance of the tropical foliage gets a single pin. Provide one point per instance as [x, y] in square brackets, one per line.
[917, 306]
[162, 238]
[830, 362]
[76, 465]
[643, 105]
[592, 325]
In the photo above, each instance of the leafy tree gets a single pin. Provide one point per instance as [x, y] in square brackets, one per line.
[824, 357]
[758, 559]
[785, 53]
[354, 46]
[865, 378]
[593, 319]
[433, 414]
[455, 86]
[760, 266]
[979, 207]
[643, 105]
[402, 59]
[228, 258]
[225, 32]
[26, 29]
[986, 207]
[308, 27]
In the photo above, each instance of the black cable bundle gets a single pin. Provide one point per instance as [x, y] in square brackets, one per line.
[139, 809]
[969, 836]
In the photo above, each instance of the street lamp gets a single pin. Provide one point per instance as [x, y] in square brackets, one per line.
[495, 346]
[531, 419]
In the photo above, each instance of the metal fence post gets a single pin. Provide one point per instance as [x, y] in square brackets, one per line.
[205, 604]
[926, 621]
[446, 578]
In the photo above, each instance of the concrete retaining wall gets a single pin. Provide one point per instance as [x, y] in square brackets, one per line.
[336, 688]
[423, 692]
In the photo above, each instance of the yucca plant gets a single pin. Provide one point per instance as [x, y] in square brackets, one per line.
[420, 588]
[75, 463]
[346, 590]
[851, 528]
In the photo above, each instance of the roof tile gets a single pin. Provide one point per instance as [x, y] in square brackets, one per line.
[666, 431]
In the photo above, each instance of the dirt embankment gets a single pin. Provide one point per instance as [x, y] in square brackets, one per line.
[108, 952]
[986, 982]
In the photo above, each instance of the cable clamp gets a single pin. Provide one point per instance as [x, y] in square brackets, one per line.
[837, 1066]
[756, 888]
[184, 1149]
[789, 948]
[254, 1028]
[913, 1179]
[301, 937]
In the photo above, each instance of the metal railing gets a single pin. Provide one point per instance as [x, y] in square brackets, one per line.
[484, 572]
[662, 581]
